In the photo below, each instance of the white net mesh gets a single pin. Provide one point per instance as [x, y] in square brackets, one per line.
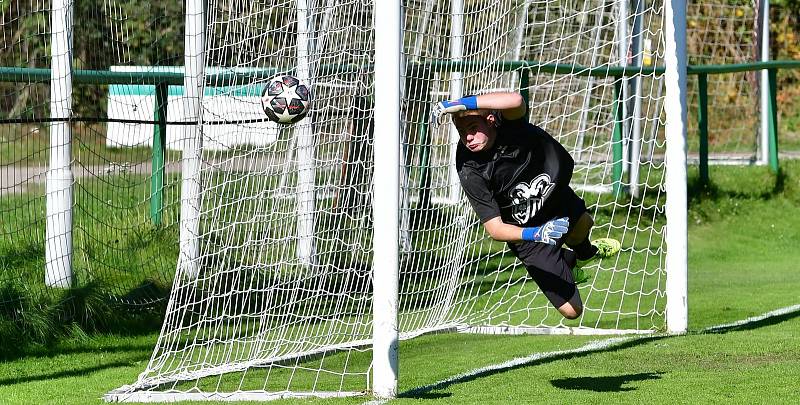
[281, 304]
[726, 32]
[579, 110]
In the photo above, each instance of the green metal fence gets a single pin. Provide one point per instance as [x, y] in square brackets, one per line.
[703, 71]
[162, 80]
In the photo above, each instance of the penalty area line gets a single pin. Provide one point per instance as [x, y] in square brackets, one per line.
[593, 346]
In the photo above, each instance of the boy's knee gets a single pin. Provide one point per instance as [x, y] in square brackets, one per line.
[569, 311]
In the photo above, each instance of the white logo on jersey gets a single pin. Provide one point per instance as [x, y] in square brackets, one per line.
[527, 198]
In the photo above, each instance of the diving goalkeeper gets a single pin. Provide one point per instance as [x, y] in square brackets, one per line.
[516, 176]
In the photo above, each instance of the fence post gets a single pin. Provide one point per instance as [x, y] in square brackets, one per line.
[702, 124]
[525, 87]
[159, 148]
[616, 140]
[425, 144]
[773, 120]
[763, 47]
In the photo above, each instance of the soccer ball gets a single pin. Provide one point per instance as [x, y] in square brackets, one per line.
[285, 99]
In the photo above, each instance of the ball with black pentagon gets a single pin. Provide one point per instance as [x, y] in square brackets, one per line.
[286, 99]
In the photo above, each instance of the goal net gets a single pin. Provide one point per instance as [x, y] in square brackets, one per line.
[273, 292]
[719, 33]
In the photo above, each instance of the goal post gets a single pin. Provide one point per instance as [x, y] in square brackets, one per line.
[193, 83]
[675, 133]
[278, 306]
[58, 245]
[305, 145]
[386, 210]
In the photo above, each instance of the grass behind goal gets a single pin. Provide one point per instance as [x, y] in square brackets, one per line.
[741, 264]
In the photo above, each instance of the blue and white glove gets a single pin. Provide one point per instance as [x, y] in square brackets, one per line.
[450, 106]
[548, 233]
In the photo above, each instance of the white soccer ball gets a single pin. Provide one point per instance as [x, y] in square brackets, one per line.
[286, 99]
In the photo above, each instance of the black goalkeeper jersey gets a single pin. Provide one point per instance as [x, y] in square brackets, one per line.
[522, 178]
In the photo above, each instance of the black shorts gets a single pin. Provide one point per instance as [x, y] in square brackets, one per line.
[550, 266]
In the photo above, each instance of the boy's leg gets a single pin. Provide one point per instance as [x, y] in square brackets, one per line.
[560, 290]
[585, 250]
[581, 224]
[551, 268]
[580, 231]
[578, 238]
[572, 308]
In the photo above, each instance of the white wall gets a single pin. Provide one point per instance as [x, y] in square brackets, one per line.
[137, 102]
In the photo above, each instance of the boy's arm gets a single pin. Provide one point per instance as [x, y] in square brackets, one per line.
[511, 105]
[547, 233]
[484, 204]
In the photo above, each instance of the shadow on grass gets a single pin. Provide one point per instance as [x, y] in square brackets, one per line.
[603, 384]
[77, 372]
[73, 340]
[433, 395]
[523, 363]
[610, 347]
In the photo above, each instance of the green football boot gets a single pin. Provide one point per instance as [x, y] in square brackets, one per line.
[579, 275]
[606, 248]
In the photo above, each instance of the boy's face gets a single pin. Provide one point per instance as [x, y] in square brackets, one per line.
[477, 133]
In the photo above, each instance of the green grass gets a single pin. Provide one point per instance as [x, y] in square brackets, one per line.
[28, 145]
[696, 368]
[689, 369]
[122, 264]
[742, 239]
[114, 239]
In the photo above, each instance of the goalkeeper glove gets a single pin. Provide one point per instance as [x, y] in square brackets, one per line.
[548, 233]
[450, 106]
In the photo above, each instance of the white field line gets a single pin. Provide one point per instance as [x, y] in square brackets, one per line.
[753, 319]
[596, 345]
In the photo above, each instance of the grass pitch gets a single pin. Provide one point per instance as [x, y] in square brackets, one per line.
[742, 262]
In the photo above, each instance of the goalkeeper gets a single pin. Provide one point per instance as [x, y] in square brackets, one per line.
[516, 177]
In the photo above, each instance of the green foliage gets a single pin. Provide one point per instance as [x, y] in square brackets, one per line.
[122, 264]
[785, 38]
[124, 32]
[29, 321]
[790, 6]
[785, 30]
[715, 30]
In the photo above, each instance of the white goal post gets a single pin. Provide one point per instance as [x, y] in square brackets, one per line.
[386, 210]
[260, 309]
[676, 204]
